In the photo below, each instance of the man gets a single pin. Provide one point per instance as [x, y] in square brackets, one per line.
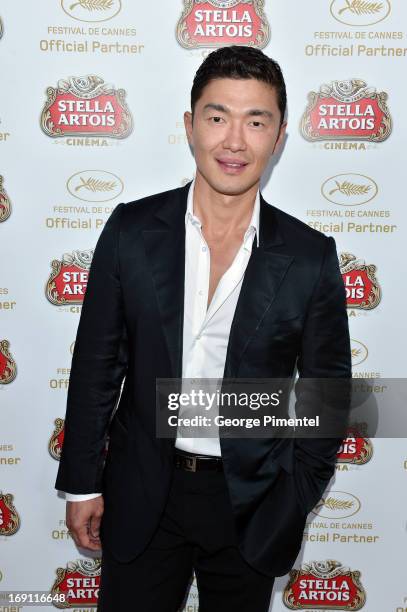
[204, 281]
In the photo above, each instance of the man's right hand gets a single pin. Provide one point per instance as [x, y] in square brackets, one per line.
[83, 521]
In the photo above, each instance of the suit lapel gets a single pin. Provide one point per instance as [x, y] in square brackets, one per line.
[165, 250]
[264, 274]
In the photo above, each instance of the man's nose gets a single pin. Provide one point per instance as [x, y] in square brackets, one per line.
[234, 139]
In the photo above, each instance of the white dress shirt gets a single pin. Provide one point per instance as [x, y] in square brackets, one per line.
[206, 330]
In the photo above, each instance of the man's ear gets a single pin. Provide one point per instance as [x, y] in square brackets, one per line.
[188, 126]
[280, 138]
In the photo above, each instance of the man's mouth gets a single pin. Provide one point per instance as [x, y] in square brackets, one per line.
[231, 166]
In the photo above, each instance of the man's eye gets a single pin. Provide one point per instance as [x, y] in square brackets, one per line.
[216, 119]
[257, 123]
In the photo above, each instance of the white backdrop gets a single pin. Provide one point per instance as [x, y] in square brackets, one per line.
[58, 190]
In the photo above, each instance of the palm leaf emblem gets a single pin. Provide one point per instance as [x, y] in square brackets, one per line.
[360, 7]
[350, 189]
[93, 5]
[333, 503]
[96, 185]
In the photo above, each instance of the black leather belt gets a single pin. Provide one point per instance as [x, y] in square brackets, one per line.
[193, 463]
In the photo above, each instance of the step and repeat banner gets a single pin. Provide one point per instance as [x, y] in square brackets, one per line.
[91, 114]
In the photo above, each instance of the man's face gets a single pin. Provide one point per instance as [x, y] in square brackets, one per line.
[235, 131]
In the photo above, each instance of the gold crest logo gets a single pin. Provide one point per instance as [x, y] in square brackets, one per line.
[326, 585]
[57, 439]
[361, 285]
[356, 448]
[5, 204]
[346, 110]
[86, 106]
[79, 581]
[9, 519]
[8, 368]
[216, 23]
[69, 278]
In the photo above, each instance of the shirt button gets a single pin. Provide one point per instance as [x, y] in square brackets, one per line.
[200, 292]
[204, 248]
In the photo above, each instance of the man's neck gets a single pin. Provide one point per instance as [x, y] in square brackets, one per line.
[221, 213]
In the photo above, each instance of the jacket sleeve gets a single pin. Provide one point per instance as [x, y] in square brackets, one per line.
[98, 367]
[325, 372]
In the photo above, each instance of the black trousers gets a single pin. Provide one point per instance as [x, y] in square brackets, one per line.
[195, 534]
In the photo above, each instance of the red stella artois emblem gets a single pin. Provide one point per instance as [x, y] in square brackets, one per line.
[5, 205]
[79, 582]
[215, 23]
[9, 519]
[86, 106]
[57, 439]
[356, 448]
[69, 277]
[8, 368]
[346, 110]
[362, 288]
[325, 585]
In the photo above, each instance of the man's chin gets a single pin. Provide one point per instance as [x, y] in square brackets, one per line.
[232, 187]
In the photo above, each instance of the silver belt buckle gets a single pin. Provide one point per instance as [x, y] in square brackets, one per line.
[190, 464]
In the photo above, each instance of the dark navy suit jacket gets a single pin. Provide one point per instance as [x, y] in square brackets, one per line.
[291, 313]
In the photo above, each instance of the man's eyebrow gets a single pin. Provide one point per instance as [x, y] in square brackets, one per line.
[253, 112]
[217, 107]
[259, 112]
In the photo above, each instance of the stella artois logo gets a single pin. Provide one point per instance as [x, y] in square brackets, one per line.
[356, 448]
[361, 286]
[9, 519]
[91, 10]
[346, 110]
[69, 277]
[5, 205]
[79, 582]
[326, 585]
[86, 106]
[216, 23]
[8, 368]
[57, 439]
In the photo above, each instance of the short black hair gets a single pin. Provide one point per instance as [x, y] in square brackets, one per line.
[240, 62]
